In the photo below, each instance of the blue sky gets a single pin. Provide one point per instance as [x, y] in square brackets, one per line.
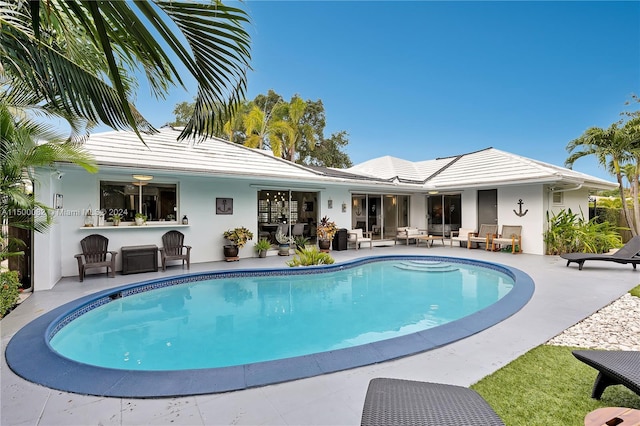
[421, 79]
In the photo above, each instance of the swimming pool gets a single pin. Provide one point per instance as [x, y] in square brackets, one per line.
[136, 375]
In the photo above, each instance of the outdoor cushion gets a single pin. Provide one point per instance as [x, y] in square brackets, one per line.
[356, 237]
[462, 235]
[484, 236]
[511, 236]
[407, 233]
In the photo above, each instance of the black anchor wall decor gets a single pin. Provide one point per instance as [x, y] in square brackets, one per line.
[520, 213]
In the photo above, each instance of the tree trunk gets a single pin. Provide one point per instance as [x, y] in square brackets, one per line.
[625, 209]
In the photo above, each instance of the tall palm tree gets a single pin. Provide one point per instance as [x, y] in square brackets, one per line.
[612, 148]
[301, 131]
[266, 127]
[45, 44]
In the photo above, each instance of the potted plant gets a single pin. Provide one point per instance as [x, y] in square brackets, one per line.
[116, 218]
[284, 241]
[140, 219]
[300, 241]
[262, 246]
[238, 238]
[326, 230]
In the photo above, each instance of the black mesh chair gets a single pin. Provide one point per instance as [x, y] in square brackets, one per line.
[405, 402]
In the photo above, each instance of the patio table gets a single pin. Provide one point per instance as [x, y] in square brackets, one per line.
[428, 239]
[613, 416]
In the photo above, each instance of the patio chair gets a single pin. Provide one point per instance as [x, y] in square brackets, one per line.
[297, 230]
[614, 368]
[357, 237]
[511, 235]
[461, 235]
[96, 255]
[483, 236]
[405, 402]
[627, 254]
[173, 248]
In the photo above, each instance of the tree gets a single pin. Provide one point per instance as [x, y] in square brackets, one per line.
[618, 150]
[264, 128]
[183, 112]
[45, 45]
[328, 152]
[293, 130]
[299, 132]
[20, 154]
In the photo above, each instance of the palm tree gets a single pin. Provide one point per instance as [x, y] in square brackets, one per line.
[266, 128]
[20, 154]
[46, 43]
[612, 149]
[300, 131]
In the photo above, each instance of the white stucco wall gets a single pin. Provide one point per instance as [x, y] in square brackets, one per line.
[55, 250]
[531, 222]
[47, 245]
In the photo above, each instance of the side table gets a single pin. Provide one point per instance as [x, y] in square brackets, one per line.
[613, 416]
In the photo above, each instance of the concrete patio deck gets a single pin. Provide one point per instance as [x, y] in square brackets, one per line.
[563, 297]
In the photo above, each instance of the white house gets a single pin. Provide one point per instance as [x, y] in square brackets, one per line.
[219, 185]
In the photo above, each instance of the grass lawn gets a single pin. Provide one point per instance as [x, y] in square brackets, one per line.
[548, 386]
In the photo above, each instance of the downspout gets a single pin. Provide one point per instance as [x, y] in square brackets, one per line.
[568, 189]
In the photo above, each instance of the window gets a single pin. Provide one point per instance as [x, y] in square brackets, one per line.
[557, 198]
[159, 200]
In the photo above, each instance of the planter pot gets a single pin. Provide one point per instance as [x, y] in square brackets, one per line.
[139, 221]
[116, 223]
[283, 250]
[230, 251]
[324, 244]
[262, 253]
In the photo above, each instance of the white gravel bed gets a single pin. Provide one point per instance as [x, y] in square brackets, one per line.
[614, 327]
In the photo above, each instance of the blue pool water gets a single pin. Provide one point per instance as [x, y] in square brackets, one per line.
[241, 320]
[266, 320]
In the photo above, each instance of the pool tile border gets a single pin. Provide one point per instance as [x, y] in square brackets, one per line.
[30, 356]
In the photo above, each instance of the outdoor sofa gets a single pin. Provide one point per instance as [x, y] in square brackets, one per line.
[407, 233]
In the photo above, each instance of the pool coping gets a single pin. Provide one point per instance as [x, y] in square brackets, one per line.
[28, 353]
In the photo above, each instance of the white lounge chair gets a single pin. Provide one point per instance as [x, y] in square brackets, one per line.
[461, 235]
[356, 237]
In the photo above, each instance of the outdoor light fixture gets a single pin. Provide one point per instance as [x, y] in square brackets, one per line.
[142, 177]
[141, 182]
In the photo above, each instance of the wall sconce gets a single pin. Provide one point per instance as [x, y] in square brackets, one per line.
[330, 203]
[344, 207]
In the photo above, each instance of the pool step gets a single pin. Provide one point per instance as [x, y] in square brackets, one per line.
[426, 266]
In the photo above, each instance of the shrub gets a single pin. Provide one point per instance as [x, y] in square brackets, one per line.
[569, 232]
[9, 293]
[310, 256]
